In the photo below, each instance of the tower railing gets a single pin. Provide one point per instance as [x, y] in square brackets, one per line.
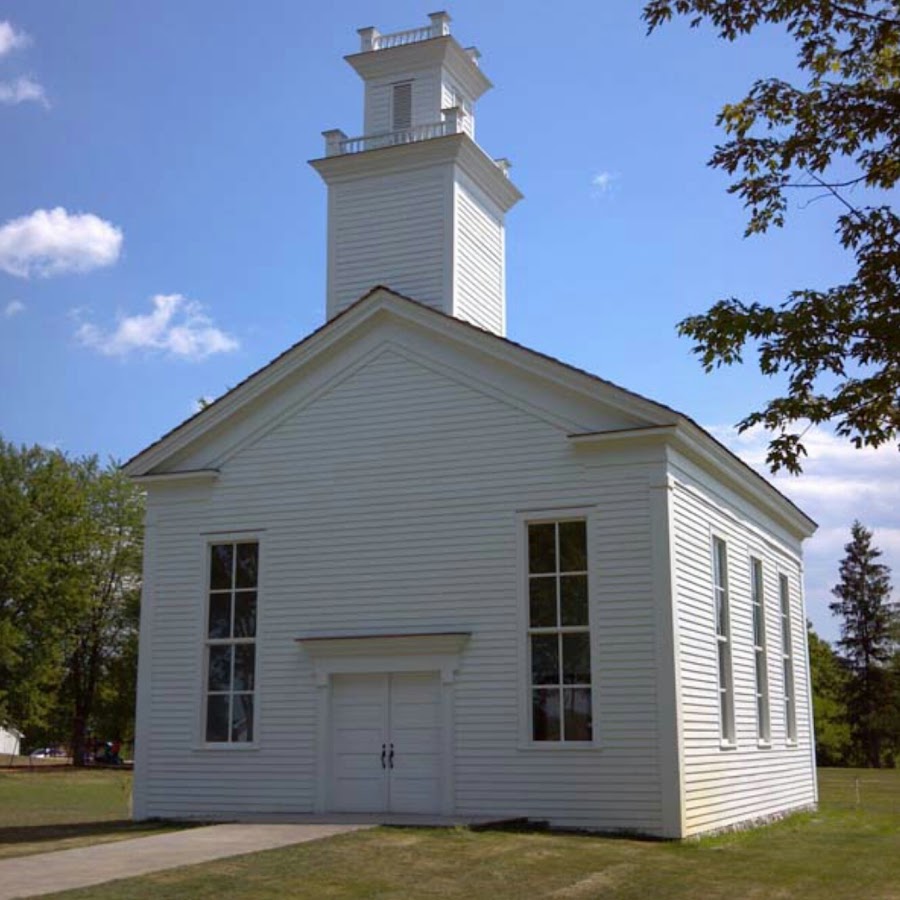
[373, 39]
[338, 144]
[342, 145]
[400, 38]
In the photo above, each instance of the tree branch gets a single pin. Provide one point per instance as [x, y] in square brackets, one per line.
[830, 184]
[832, 189]
[848, 13]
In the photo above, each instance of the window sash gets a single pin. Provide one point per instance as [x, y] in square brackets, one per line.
[723, 640]
[238, 724]
[790, 708]
[570, 725]
[760, 650]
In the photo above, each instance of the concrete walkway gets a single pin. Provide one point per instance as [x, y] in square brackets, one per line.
[45, 873]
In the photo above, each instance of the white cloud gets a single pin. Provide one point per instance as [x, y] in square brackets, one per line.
[603, 182]
[11, 39]
[175, 325]
[13, 308]
[839, 484]
[23, 90]
[54, 242]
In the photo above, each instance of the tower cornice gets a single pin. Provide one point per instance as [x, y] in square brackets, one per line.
[438, 51]
[458, 148]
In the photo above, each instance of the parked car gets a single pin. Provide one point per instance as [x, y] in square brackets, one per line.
[47, 753]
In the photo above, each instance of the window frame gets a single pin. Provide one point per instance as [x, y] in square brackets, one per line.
[724, 643]
[393, 118]
[525, 736]
[202, 679]
[760, 652]
[788, 659]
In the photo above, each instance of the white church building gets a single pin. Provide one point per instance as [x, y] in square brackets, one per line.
[412, 567]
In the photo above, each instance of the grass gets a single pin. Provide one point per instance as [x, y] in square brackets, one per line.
[844, 850]
[58, 808]
[18, 762]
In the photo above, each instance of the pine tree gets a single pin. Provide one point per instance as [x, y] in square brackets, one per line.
[868, 630]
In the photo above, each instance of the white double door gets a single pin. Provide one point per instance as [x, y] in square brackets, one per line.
[387, 743]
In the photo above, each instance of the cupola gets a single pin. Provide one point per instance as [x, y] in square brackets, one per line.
[414, 203]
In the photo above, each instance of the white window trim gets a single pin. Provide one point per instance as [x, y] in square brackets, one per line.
[725, 743]
[790, 741]
[522, 520]
[200, 744]
[763, 742]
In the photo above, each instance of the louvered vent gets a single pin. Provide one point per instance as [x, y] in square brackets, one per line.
[401, 108]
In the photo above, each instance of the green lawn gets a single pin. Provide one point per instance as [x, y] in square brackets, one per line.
[842, 851]
[58, 808]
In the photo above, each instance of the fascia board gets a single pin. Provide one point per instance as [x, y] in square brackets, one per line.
[487, 175]
[191, 475]
[381, 63]
[709, 454]
[385, 160]
[519, 357]
[404, 310]
[257, 384]
[453, 148]
[646, 434]
[440, 51]
[467, 72]
[705, 451]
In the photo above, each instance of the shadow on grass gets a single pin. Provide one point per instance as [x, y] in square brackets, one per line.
[32, 834]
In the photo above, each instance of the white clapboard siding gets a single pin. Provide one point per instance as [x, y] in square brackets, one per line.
[391, 503]
[389, 230]
[426, 89]
[478, 294]
[453, 95]
[723, 787]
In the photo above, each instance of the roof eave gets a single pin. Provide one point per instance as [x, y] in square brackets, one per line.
[444, 50]
[706, 451]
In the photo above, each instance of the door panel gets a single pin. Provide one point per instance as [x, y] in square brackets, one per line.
[416, 736]
[359, 715]
[402, 711]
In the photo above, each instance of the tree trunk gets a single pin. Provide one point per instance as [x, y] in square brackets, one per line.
[79, 738]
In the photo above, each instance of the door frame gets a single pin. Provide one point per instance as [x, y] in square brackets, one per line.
[381, 654]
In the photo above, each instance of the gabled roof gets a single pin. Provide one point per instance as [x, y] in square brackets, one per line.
[662, 420]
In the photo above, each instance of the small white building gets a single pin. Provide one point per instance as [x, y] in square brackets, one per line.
[10, 741]
[412, 567]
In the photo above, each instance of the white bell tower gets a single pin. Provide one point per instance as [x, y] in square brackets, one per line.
[414, 203]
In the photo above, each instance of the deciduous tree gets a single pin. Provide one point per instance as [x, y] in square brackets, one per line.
[70, 558]
[836, 132]
[829, 680]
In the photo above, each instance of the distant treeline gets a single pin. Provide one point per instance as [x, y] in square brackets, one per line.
[71, 535]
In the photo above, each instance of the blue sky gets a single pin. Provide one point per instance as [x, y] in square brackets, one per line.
[161, 235]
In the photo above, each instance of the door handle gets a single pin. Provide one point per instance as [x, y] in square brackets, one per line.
[383, 751]
[391, 757]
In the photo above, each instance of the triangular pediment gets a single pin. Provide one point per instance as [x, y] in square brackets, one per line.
[572, 400]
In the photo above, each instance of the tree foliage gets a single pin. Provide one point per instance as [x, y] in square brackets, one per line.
[829, 682]
[869, 627]
[837, 134]
[70, 562]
